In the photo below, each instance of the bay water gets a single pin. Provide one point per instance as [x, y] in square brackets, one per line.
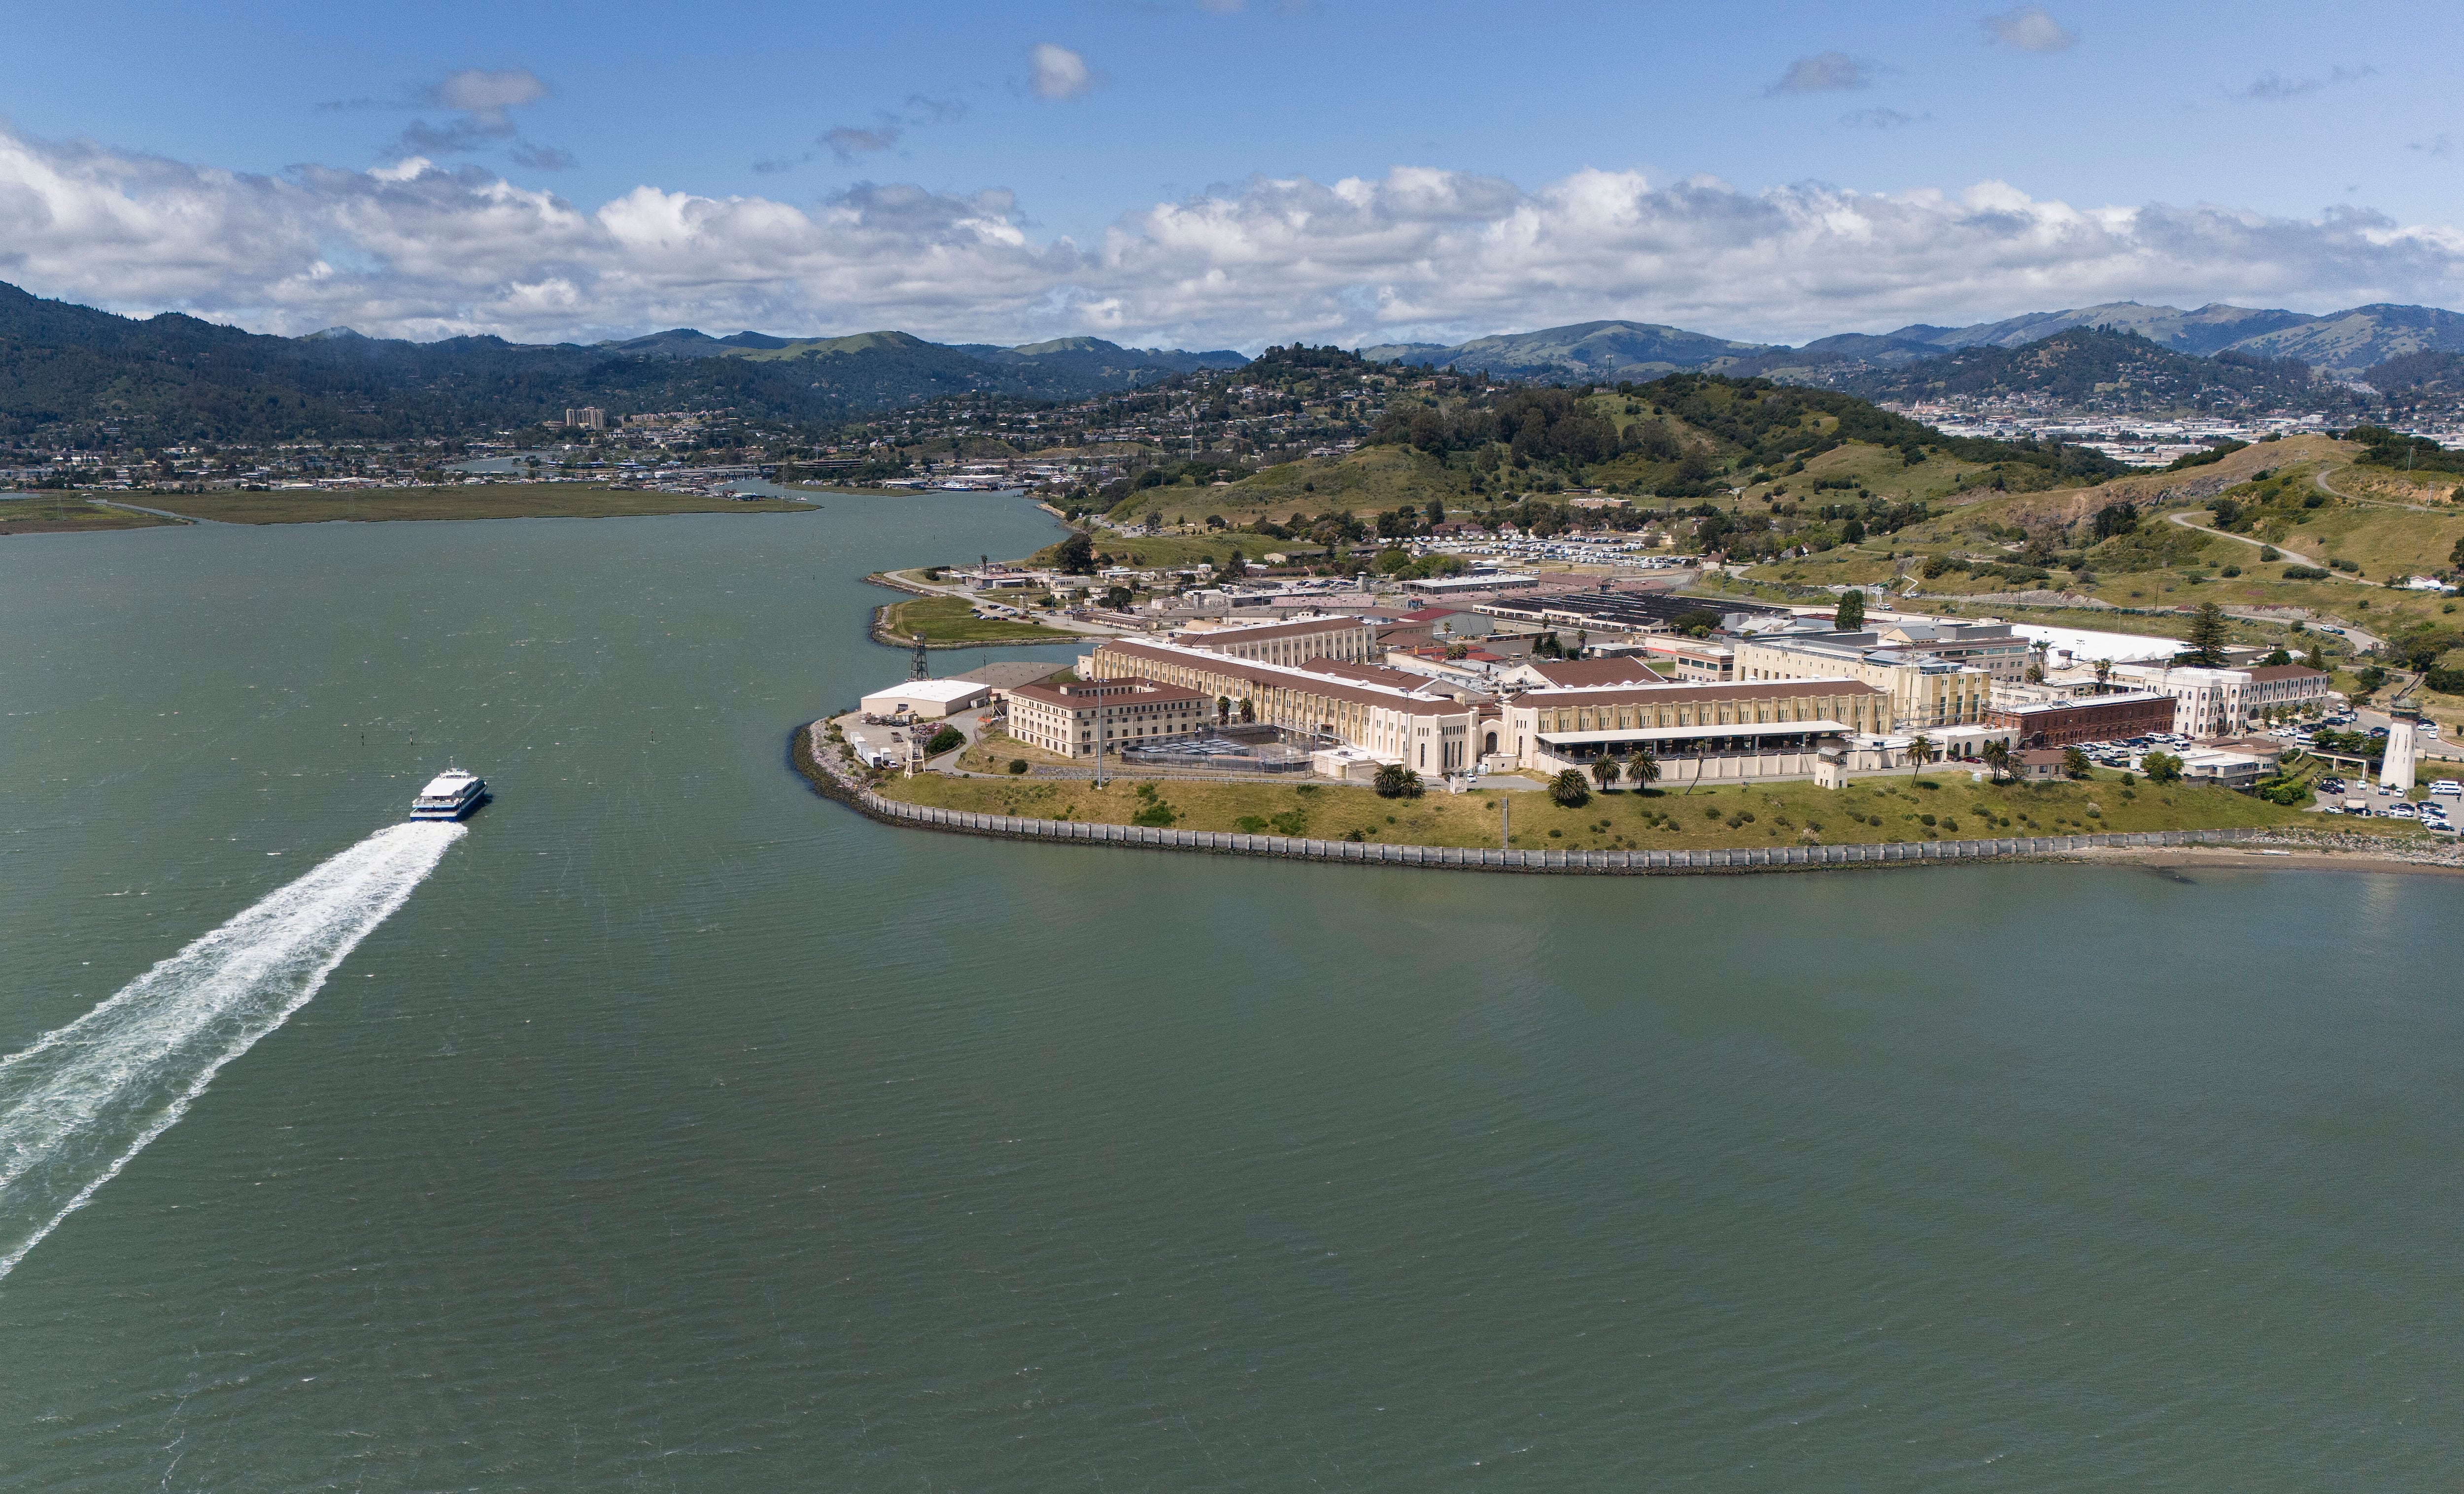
[674, 1129]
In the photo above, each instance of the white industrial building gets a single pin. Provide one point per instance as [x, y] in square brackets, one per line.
[927, 699]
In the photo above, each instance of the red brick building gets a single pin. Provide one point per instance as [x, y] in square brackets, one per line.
[2085, 718]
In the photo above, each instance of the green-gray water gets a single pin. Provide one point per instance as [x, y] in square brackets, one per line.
[683, 1131]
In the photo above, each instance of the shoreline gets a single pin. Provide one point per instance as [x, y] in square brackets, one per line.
[2265, 857]
[826, 771]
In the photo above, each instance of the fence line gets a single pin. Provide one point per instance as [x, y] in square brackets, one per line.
[1613, 863]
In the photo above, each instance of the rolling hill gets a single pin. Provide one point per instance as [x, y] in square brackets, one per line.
[1584, 350]
[2342, 343]
[70, 371]
[2100, 369]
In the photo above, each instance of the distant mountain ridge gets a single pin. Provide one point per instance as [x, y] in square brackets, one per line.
[2342, 343]
[2098, 368]
[66, 369]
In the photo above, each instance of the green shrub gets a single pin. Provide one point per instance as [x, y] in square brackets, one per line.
[947, 738]
[1018, 764]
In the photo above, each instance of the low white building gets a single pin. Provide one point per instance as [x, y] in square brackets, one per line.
[927, 699]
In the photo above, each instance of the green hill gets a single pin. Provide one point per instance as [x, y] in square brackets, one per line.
[2099, 369]
[1683, 440]
[1585, 350]
[70, 372]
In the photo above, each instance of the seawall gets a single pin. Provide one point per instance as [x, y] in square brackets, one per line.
[813, 760]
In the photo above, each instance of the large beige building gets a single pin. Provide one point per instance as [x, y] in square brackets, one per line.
[2224, 702]
[1350, 640]
[1926, 691]
[1742, 729]
[1083, 716]
[1394, 717]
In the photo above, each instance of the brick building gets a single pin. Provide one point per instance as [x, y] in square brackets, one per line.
[2086, 718]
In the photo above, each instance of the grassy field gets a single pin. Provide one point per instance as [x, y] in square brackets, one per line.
[950, 620]
[69, 515]
[491, 500]
[1872, 810]
[2362, 527]
[995, 753]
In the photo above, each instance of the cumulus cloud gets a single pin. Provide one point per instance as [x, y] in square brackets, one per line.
[419, 249]
[2272, 87]
[1058, 73]
[1824, 71]
[2030, 29]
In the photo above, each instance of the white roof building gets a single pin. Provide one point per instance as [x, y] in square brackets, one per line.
[927, 699]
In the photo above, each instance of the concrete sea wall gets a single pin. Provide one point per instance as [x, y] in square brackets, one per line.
[827, 780]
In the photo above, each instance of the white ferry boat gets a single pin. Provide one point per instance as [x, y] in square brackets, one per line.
[451, 795]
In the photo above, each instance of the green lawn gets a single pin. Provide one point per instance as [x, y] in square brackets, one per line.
[1871, 810]
[488, 500]
[950, 620]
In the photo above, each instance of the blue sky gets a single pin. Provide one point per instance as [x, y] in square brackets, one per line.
[837, 167]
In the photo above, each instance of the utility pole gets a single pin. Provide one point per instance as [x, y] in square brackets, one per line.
[1506, 823]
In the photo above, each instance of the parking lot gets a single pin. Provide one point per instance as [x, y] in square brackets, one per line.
[2336, 794]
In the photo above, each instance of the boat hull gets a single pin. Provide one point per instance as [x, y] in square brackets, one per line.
[454, 811]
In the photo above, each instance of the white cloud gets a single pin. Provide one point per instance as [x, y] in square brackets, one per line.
[1824, 71]
[2029, 29]
[414, 250]
[1058, 73]
[1881, 118]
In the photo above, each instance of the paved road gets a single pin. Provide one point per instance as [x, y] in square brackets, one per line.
[2360, 639]
[157, 513]
[2319, 476]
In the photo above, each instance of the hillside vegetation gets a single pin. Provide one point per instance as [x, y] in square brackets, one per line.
[2094, 369]
[1684, 441]
[71, 372]
[2298, 523]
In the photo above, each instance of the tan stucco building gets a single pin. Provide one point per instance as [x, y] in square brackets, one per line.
[1350, 640]
[1925, 690]
[1394, 717]
[1741, 730]
[1078, 718]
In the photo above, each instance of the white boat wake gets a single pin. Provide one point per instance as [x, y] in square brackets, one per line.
[85, 1098]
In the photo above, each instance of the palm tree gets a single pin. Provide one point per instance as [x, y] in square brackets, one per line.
[1642, 767]
[1997, 757]
[1604, 772]
[2103, 673]
[1919, 753]
[1568, 789]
